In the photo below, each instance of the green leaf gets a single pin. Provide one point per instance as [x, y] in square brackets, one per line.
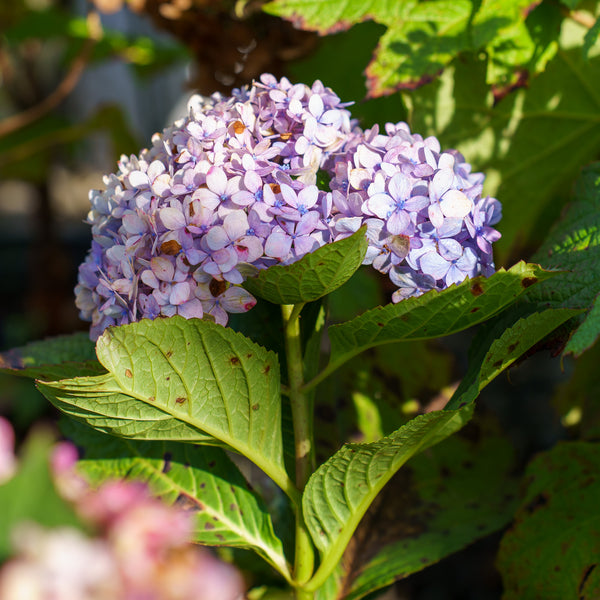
[501, 342]
[53, 358]
[442, 500]
[424, 37]
[341, 490]
[433, 314]
[531, 145]
[552, 550]
[574, 246]
[591, 37]
[178, 379]
[315, 275]
[197, 478]
[30, 494]
[576, 399]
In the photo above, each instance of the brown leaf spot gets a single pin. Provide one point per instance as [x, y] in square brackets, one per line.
[512, 347]
[380, 324]
[234, 360]
[474, 310]
[220, 537]
[266, 369]
[208, 526]
[217, 287]
[151, 399]
[497, 364]
[476, 288]
[212, 464]
[538, 502]
[233, 506]
[528, 281]
[128, 373]
[186, 502]
[255, 406]
[180, 400]
[170, 247]
[169, 353]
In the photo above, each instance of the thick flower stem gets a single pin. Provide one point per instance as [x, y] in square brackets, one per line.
[303, 442]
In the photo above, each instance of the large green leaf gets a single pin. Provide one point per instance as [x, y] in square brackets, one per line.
[315, 275]
[176, 376]
[455, 493]
[30, 494]
[531, 144]
[423, 37]
[574, 246]
[433, 314]
[341, 490]
[198, 478]
[552, 550]
[53, 358]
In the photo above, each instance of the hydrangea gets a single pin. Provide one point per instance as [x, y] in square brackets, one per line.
[135, 546]
[232, 188]
[428, 225]
[231, 185]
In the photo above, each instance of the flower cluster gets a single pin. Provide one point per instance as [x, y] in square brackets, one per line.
[141, 548]
[427, 224]
[232, 188]
[231, 185]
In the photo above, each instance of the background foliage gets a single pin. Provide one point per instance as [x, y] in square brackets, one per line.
[512, 85]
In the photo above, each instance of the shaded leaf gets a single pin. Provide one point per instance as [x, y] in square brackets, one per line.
[28, 153]
[591, 37]
[441, 501]
[341, 490]
[197, 478]
[53, 358]
[552, 550]
[574, 246]
[170, 378]
[501, 342]
[315, 275]
[433, 314]
[30, 494]
[577, 399]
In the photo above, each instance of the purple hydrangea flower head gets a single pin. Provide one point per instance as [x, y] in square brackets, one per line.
[428, 225]
[230, 185]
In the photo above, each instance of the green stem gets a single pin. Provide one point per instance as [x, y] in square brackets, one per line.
[303, 442]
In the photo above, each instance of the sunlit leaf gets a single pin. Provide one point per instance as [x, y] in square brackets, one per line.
[315, 275]
[341, 490]
[433, 314]
[531, 145]
[457, 492]
[198, 478]
[422, 38]
[169, 378]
